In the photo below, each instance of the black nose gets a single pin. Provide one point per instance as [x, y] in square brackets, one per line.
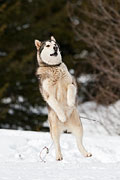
[55, 48]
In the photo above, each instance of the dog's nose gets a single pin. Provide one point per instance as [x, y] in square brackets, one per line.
[55, 48]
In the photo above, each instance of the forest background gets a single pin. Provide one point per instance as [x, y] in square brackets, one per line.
[89, 36]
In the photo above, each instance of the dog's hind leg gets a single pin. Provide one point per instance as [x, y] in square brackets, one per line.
[55, 134]
[77, 130]
[56, 139]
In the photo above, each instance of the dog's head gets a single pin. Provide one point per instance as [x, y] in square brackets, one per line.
[48, 52]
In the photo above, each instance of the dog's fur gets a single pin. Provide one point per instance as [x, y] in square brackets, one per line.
[58, 89]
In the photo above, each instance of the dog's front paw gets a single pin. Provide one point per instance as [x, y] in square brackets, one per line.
[71, 95]
[62, 117]
[71, 103]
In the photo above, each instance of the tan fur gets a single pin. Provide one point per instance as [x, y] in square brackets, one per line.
[59, 90]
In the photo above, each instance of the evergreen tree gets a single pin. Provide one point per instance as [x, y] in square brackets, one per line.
[21, 22]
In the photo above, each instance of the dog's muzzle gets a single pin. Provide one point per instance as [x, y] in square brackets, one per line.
[55, 51]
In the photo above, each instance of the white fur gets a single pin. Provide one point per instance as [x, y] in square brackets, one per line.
[45, 54]
[71, 95]
[53, 103]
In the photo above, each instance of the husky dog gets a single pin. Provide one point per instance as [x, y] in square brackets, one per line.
[58, 89]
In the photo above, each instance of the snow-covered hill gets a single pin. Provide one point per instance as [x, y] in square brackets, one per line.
[20, 157]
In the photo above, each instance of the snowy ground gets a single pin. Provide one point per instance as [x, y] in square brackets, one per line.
[20, 150]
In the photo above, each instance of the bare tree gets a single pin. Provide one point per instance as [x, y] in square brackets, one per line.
[97, 24]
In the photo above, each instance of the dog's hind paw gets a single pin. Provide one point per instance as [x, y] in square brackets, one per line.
[88, 154]
[59, 158]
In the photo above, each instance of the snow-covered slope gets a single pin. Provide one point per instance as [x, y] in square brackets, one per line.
[20, 157]
[107, 118]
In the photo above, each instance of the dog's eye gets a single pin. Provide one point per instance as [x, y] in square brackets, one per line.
[48, 45]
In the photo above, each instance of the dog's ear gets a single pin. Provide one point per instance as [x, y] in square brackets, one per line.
[37, 44]
[53, 39]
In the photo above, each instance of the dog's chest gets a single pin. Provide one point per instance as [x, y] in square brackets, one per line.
[55, 80]
[59, 81]
[60, 77]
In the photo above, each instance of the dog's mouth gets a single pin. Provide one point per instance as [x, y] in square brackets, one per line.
[55, 51]
[54, 54]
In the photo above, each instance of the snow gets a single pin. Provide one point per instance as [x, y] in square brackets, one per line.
[20, 157]
[107, 118]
